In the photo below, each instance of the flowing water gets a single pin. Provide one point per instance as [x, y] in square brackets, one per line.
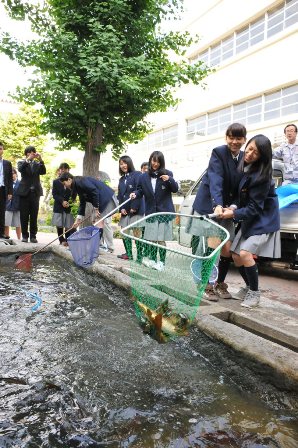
[79, 372]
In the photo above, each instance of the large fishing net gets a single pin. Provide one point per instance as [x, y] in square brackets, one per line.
[84, 245]
[173, 257]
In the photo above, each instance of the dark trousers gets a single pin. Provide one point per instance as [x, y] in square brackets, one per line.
[29, 206]
[2, 209]
[61, 230]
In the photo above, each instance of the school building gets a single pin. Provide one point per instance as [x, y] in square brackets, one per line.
[253, 47]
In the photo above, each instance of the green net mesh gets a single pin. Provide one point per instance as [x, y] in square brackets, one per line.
[172, 258]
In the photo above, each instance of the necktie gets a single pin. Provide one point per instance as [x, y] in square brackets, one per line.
[235, 160]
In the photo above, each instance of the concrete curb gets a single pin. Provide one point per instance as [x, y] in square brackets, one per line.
[274, 358]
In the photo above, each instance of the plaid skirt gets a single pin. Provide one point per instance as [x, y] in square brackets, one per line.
[201, 227]
[266, 245]
[12, 219]
[128, 219]
[158, 231]
[63, 219]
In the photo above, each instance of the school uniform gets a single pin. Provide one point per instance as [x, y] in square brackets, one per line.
[5, 189]
[62, 217]
[158, 198]
[127, 184]
[12, 213]
[30, 190]
[258, 215]
[98, 193]
[218, 187]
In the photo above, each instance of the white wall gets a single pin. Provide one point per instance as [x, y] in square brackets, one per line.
[265, 67]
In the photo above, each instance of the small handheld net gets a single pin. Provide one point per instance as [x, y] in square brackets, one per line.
[84, 245]
[169, 276]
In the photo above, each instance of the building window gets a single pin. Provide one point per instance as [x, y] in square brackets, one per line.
[242, 40]
[219, 121]
[155, 140]
[264, 107]
[289, 100]
[254, 110]
[257, 31]
[274, 21]
[164, 137]
[227, 48]
[196, 126]
[170, 136]
[291, 12]
[215, 55]
[239, 112]
[272, 105]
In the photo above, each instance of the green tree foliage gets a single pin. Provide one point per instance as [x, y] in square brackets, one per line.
[20, 130]
[101, 68]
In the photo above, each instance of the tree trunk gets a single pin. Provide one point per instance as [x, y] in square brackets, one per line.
[92, 157]
[91, 162]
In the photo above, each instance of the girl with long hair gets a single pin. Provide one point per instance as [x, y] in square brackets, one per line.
[157, 186]
[257, 215]
[132, 211]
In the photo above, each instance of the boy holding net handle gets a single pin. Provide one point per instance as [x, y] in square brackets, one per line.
[217, 190]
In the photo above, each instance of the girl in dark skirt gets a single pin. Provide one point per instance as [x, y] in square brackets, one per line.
[62, 217]
[132, 211]
[157, 186]
[258, 215]
[12, 213]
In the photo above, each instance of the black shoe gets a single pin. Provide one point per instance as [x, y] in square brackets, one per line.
[33, 240]
[4, 237]
[24, 240]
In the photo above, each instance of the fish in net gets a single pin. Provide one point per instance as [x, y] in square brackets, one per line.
[168, 274]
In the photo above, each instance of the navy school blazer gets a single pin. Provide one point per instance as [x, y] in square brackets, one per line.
[258, 209]
[128, 184]
[160, 200]
[60, 194]
[7, 177]
[220, 183]
[92, 190]
[14, 204]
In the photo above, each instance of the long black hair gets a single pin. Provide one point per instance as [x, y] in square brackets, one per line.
[129, 163]
[264, 164]
[160, 158]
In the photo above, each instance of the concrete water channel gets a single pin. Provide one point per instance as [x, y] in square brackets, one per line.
[79, 372]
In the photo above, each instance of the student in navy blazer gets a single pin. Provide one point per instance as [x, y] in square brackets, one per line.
[62, 217]
[258, 215]
[12, 213]
[133, 210]
[157, 186]
[5, 188]
[217, 190]
[89, 189]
